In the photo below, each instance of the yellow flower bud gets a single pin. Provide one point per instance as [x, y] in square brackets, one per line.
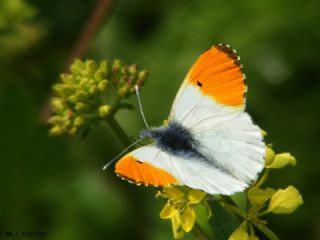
[56, 131]
[239, 234]
[143, 75]
[283, 159]
[104, 111]
[264, 133]
[73, 98]
[56, 120]
[103, 85]
[80, 106]
[73, 131]
[77, 66]
[258, 196]
[78, 121]
[57, 104]
[117, 65]
[104, 67]
[58, 88]
[91, 67]
[83, 82]
[81, 95]
[133, 68]
[285, 201]
[165, 122]
[269, 156]
[66, 77]
[93, 90]
[123, 91]
[172, 192]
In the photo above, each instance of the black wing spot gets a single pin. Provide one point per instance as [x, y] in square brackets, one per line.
[199, 84]
[139, 162]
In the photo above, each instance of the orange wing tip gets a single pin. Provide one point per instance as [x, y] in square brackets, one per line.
[232, 53]
[218, 73]
[134, 171]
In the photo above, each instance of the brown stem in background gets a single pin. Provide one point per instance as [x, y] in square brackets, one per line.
[81, 46]
[89, 30]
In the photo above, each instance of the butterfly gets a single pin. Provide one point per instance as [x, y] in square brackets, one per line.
[209, 143]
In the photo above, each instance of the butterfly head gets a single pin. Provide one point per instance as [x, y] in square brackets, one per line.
[153, 133]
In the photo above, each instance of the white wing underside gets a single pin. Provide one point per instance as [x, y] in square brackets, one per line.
[190, 172]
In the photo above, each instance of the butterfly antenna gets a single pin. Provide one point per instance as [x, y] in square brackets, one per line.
[120, 154]
[136, 87]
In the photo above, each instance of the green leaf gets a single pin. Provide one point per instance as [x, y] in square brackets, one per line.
[222, 222]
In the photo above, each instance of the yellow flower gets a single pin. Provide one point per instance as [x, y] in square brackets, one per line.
[285, 201]
[258, 196]
[105, 110]
[179, 208]
[240, 233]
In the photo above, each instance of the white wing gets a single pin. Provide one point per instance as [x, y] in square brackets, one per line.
[190, 172]
[226, 135]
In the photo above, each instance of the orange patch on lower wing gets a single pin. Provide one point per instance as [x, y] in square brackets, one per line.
[141, 172]
[218, 74]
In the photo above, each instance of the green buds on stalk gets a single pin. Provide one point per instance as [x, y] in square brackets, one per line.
[79, 100]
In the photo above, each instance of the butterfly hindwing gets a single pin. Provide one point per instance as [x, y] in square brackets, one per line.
[138, 167]
[166, 169]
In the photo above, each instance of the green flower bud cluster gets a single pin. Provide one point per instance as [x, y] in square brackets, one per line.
[79, 100]
[125, 77]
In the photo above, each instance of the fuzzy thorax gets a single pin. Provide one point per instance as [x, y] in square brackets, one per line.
[174, 139]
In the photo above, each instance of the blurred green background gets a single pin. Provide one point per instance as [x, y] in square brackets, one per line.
[57, 185]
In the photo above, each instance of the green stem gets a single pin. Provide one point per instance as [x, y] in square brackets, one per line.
[263, 178]
[125, 140]
[228, 200]
[200, 233]
[266, 231]
[263, 213]
[230, 204]
[236, 210]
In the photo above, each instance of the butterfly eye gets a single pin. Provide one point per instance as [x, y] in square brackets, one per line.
[199, 84]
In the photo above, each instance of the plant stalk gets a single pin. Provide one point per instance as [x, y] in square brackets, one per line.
[266, 231]
[200, 233]
[125, 140]
[263, 178]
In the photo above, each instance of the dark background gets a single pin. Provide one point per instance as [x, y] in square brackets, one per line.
[57, 185]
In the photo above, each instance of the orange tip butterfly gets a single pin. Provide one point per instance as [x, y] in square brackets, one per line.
[210, 142]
